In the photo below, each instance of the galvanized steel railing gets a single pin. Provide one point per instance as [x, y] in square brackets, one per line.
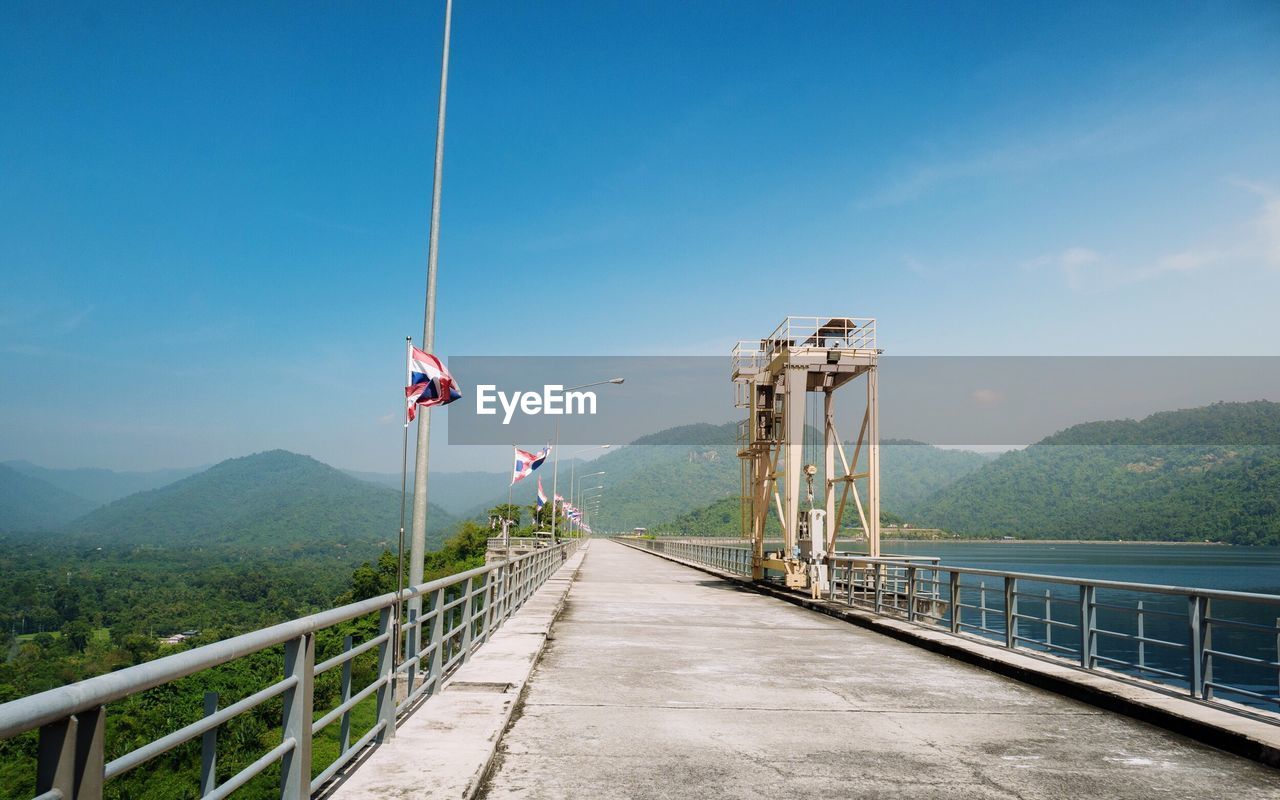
[1219, 647]
[462, 612]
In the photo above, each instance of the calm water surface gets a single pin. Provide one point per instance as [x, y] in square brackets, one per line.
[1241, 569]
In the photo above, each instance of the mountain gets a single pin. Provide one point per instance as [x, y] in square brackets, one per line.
[912, 471]
[721, 518]
[1180, 475]
[456, 492]
[29, 505]
[267, 500]
[687, 469]
[102, 486]
[699, 433]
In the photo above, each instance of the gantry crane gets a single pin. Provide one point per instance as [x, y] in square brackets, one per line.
[781, 442]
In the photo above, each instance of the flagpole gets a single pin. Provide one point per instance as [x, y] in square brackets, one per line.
[418, 540]
[404, 489]
[555, 474]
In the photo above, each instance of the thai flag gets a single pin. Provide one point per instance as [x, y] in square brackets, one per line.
[527, 462]
[430, 384]
[542, 497]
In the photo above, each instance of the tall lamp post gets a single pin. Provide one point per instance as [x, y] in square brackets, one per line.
[555, 464]
[577, 494]
[583, 497]
[591, 504]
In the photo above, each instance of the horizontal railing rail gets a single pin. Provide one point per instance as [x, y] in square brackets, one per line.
[1217, 646]
[523, 542]
[414, 656]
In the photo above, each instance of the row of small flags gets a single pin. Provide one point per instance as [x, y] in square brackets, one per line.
[430, 384]
[525, 464]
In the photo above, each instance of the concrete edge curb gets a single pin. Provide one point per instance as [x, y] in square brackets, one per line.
[472, 724]
[1214, 727]
[475, 787]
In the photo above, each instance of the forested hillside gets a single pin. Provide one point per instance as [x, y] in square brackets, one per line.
[1173, 476]
[275, 499]
[72, 611]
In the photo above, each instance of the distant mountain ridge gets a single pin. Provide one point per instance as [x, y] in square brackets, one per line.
[458, 493]
[101, 486]
[30, 505]
[271, 499]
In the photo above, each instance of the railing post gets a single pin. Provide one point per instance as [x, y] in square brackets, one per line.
[1142, 635]
[956, 611]
[1088, 627]
[209, 748]
[911, 593]
[879, 588]
[295, 765]
[56, 757]
[506, 590]
[413, 649]
[437, 636]
[344, 729]
[1206, 648]
[467, 620]
[386, 707]
[70, 756]
[1010, 612]
[1048, 617]
[982, 604]
[486, 613]
[1195, 624]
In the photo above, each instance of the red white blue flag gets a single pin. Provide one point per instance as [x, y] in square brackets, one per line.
[542, 497]
[430, 384]
[527, 462]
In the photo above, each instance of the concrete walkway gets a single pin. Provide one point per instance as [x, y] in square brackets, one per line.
[445, 747]
[661, 681]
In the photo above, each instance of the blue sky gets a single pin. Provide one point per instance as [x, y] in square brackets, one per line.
[213, 218]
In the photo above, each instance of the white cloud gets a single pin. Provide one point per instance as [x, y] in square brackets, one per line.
[1257, 241]
[1105, 131]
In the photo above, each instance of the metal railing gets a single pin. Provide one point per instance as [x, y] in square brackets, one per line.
[1218, 647]
[495, 543]
[825, 333]
[461, 612]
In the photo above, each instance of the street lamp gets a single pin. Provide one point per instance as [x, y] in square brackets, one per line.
[590, 502]
[575, 488]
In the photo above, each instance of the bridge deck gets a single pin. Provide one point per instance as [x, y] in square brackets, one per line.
[662, 681]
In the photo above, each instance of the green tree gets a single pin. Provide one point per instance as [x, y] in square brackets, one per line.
[77, 634]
